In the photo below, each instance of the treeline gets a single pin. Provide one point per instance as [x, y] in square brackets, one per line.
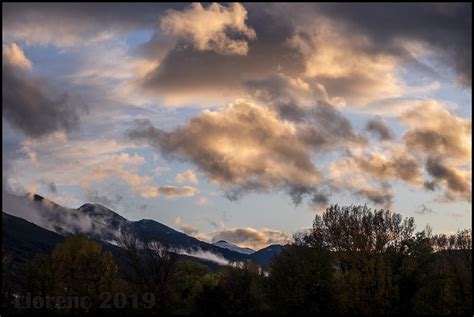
[354, 260]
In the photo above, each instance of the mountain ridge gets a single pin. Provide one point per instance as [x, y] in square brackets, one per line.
[101, 223]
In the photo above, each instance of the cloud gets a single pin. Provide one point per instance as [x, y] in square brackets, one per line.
[46, 214]
[124, 167]
[423, 210]
[445, 28]
[15, 56]
[345, 175]
[457, 182]
[51, 187]
[29, 104]
[246, 237]
[76, 24]
[209, 29]
[344, 64]
[187, 176]
[186, 76]
[379, 128]
[170, 191]
[206, 255]
[443, 140]
[243, 147]
[398, 163]
[66, 161]
[435, 131]
[94, 196]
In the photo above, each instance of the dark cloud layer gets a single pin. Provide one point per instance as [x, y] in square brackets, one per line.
[185, 74]
[78, 23]
[444, 26]
[30, 105]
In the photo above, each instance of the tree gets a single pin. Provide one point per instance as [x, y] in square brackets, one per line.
[299, 281]
[189, 280]
[77, 267]
[235, 290]
[361, 240]
[150, 268]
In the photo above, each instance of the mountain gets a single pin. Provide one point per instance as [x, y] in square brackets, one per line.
[100, 223]
[233, 247]
[23, 240]
[265, 255]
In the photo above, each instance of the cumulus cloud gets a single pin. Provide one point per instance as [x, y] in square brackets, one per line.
[245, 237]
[458, 182]
[369, 172]
[251, 238]
[396, 163]
[247, 146]
[435, 131]
[243, 147]
[343, 64]
[29, 104]
[210, 29]
[187, 176]
[186, 76]
[345, 175]
[443, 140]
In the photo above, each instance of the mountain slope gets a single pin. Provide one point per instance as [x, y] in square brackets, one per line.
[265, 255]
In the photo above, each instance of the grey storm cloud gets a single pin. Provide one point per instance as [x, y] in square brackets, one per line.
[30, 105]
[444, 26]
[380, 129]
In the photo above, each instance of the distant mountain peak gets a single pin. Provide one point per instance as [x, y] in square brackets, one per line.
[99, 210]
[233, 247]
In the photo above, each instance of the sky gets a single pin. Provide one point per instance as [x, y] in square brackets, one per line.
[241, 122]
